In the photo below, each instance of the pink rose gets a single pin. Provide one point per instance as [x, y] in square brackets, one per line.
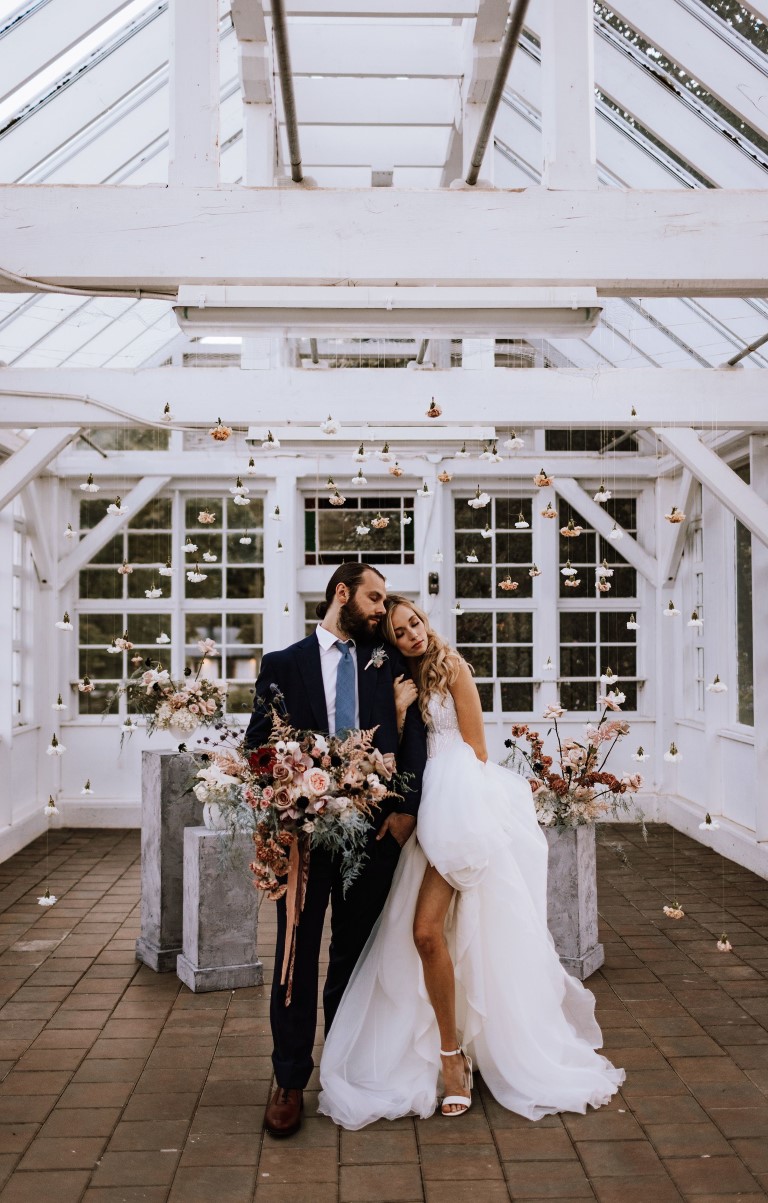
[317, 781]
[282, 771]
[268, 793]
[282, 798]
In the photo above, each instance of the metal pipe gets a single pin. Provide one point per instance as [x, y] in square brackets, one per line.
[283, 55]
[747, 351]
[422, 350]
[508, 47]
[313, 350]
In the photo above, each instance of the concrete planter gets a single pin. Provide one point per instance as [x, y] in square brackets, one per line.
[572, 899]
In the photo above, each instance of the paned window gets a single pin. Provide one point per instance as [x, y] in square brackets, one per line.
[590, 643]
[106, 669]
[239, 644]
[499, 646]
[588, 550]
[505, 552]
[589, 439]
[144, 544]
[745, 706]
[235, 538]
[334, 534]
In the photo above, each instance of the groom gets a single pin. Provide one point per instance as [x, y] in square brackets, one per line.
[324, 683]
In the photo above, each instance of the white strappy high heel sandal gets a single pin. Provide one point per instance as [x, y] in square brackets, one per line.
[462, 1100]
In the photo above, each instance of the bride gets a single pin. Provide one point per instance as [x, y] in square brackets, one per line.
[462, 943]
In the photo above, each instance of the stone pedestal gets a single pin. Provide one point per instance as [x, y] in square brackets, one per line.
[572, 899]
[220, 913]
[165, 811]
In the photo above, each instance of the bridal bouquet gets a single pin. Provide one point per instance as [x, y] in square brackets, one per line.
[177, 706]
[577, 789]
[299, 791]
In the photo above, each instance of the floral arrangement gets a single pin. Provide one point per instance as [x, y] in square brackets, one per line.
[177, 706]
[300, 791]
[577, 789]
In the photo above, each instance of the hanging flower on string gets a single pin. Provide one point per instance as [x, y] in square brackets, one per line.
[487, 531]
[384, 454]
[270, 443]
[396, 470]
[709, 823]
[279, 548]
[361, 455]
[673, 755]
[220, 433]
[462, 453]
[206, 518]
[542, 479]
[675, 515]
[89, 485]
[602, 494]
[87, 789]
[189, 547]
[694, 620]
[125, 569]
[59, 704]
[336, 498]
[358, 480]
[548, 666]
[275, 515]
[50, 809]
[675, 911]
[245, 539]
[210, 557]
[671, 610]
[69, 533]
[85, 685]
[603, 586]
[123, 643]
[251, 470]
[568, 569]
[55, 748]
[571, 531]
[329, 426]
[548, 511]
[472, 557]
[724, 944]
[153, 593]
[457, 609]
[640, 755]
[167, 415]
[437, 557]
[604, 569]
[434, 410]
[572, 582]
[47, 899]
[424, 491]
[167, 569]
[444, 477]
[534, 570]
[513, 443]
[379, 522]
[508, 585]
[632, 623]
[117, 508]
[195, 576]
[479, 500]
[163, 638]
[615, 533]
[362, 529]
[522, 523]
[717, 686]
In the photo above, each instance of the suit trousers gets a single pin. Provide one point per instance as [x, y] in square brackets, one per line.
[352, 920]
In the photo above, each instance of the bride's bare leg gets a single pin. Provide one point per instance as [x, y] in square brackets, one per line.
[429, 936]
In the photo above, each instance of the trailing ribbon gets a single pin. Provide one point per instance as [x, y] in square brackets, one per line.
[298, 874]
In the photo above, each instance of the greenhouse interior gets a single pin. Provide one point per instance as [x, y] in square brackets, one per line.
[495, 329]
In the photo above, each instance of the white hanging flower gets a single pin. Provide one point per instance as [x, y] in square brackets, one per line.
[64, 624]
[359, 480]
[407, 519]
[117, 507]
[239, 500]
[55, 748]
[640, 755]
[602, 493]
[385, 454]
[330, 426]
[671, 610]
[568, 570]
[513, 443]
[128, 724]
[479, 500]
[361, 455]
[615, 533]
[279, 548]
[603, 569]
[210, 557]
[270, 442]
[167, 569]
[238, 489]
[521, 523]
[486, 532]
[153, 592]
[717, 686]
[246, 540]
[673, 755]
[462, 453]
[163, 638]
[548, 666]
[195, 576]
[709, 823]
[437, 557]
[286, 609]
[456, 608]
[47, 899]
[724, 944]
[50, 807]
[362, 529]
[609, 677]
[632, 623]
[694, 620]
[69, 533]
[166, 415]
[189, 547]
[89, 486]
[471, 558]
[486, 452]
[251, 470]
[86, 791]
[59, 704]
[424, 491]
[275, 515]
[612, 699]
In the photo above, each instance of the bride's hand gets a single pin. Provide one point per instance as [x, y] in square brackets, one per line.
[405, 694]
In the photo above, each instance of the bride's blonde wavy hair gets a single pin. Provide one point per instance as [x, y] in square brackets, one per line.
[438, 668]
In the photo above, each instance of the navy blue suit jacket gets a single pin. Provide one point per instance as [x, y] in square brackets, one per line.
[297, 673]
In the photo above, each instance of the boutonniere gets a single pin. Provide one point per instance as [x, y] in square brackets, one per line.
[378, 656]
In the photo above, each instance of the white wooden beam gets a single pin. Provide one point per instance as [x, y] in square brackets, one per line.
[715, 475]
[568, 94]
[40, 448]
[140, 494]
[40, 531]
[633, 553]
[505, 396]
[625, 244]
[194, 92]
[671, 555]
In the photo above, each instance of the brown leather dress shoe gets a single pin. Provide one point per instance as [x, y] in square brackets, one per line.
[283, 1114]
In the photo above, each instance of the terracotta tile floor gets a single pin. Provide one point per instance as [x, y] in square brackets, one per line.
[119, 1085]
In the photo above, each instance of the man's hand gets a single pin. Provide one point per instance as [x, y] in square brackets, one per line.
[400, 826]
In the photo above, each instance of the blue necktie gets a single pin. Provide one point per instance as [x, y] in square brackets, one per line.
[345, 688]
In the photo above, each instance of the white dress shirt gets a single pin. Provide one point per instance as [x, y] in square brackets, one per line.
[329, 662]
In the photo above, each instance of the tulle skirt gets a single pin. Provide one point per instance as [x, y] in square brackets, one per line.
[529, 1026]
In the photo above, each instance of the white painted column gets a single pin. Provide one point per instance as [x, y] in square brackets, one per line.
[568, 94]
[194, 92]
[546, 614]
[280, 574]
[718, 641]
[259, 134]
[6, 644]
[758, 469]
[473, 115]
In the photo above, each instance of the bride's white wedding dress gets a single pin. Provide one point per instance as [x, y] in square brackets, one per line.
[529, 1026]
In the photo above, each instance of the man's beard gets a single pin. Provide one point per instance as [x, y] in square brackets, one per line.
[353, 622]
